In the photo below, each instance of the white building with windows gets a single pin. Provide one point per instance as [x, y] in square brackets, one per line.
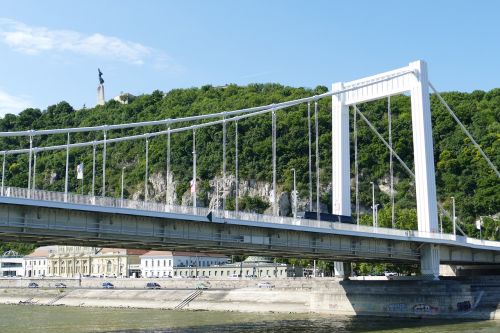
[11, 264]
[36, 263]
[163, 263]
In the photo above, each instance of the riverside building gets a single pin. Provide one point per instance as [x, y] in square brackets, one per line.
[75, 261]
[168, 263]
[36, 263]
[11, 264]
[251, 267]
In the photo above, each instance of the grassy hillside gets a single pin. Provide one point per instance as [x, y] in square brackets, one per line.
[460, 170]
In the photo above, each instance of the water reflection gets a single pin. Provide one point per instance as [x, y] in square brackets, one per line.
[72, 319]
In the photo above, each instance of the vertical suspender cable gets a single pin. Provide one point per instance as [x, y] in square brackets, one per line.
[275, 210]
[391, 166]
[34, 171]
[93, 169]
[104, 166]
[66, 177]
[356, 171]
[146, 173]
[3, 172]
[167, 184]
[236, 166]
[310, 158]
[193, 185]
[224, 134]
[29, 166]
[316, 120]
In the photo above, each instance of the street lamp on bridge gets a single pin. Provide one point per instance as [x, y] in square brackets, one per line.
[373, 204]
[294, 194]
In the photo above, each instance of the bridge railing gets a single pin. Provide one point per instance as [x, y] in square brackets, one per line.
[43, 195]
[329, 225]
[81, 199]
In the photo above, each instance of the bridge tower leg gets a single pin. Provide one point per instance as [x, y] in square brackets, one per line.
[425, 181]
[341, 166]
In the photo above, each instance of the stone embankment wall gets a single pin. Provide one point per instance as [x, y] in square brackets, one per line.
[474, 299]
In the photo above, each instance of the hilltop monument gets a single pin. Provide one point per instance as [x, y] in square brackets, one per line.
[100, 89]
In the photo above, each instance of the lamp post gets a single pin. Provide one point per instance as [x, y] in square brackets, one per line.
[376, 215]
[480, 225]
[294, 194]
[123, 172]
[453, 216]
[373, 203]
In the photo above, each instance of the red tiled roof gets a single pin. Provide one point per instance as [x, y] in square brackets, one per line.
[40, 252]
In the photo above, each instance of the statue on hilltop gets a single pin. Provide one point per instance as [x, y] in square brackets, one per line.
[101, 80]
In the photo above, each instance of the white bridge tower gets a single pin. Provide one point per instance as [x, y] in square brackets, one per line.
[413, 79]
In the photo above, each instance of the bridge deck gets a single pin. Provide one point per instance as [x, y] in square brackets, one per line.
[41, 198]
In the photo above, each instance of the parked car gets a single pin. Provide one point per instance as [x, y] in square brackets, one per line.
[234, 276]
[251, 276]
[265, 284]
[388, 274]
[60, 285]
[202, 286]
[108, 285]
[153, 285]
[33, 285]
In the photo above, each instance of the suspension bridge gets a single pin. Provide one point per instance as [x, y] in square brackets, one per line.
[45, 217]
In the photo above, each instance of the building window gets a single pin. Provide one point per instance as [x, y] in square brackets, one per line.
[169, 263]
[146, 263]
[108, 267]
[152, 263]
[164, 262]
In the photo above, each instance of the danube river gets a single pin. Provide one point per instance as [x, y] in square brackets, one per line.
[30, 318]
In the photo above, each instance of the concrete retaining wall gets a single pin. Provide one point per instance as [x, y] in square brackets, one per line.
[441, 299]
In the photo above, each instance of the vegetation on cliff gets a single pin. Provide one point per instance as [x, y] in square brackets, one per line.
[460, 170]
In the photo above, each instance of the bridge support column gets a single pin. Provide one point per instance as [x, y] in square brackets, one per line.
[341, 185]
[342, 269]
[429, 261]
[425, 181]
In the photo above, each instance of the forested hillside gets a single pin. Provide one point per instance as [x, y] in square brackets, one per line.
[460, 170]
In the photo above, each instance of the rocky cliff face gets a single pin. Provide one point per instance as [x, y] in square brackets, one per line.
[218, 190]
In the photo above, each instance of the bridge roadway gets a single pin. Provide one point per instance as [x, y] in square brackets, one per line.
[45, 217]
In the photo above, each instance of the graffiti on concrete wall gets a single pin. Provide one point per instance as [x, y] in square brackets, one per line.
[396, 308]
[425, 309]
[464, 306]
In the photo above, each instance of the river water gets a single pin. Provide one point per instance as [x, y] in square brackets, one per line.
[30, 318]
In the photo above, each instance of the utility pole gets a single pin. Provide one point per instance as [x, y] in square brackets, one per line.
[275, 192]
[294, 194]
[316, 124]
[193, 185]
[453, 216]
[373, 202]
[123, 172]
[310, 157]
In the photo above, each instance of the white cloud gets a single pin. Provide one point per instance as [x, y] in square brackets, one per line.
[12, 104]
[35, 40]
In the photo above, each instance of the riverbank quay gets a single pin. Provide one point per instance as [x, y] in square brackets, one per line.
[477, 298]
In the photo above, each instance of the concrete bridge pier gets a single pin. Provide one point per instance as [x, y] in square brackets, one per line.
[342, 269]
[430, 261]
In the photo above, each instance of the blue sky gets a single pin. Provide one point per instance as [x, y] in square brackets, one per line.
[50, 50]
